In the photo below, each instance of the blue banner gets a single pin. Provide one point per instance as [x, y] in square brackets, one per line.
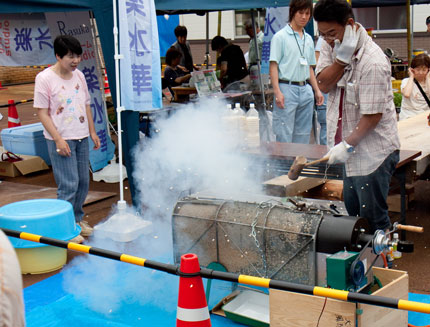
[276, 19]
[25, 40]
[140, 74]
[78, 25]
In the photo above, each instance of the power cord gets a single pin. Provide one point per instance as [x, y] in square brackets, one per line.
[322, 311]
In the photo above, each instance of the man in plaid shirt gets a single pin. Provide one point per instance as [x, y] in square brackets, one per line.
[361, 118]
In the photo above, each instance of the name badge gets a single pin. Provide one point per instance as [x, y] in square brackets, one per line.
[303, 61]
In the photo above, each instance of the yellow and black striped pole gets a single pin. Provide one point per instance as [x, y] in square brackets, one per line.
[16, 103]
[230, 277]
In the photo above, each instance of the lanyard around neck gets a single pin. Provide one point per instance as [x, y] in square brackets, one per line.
[297, 42]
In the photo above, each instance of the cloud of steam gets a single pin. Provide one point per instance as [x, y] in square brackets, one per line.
[196, 149]
[109, 287]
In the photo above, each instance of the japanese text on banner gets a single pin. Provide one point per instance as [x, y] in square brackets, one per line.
[140, 68]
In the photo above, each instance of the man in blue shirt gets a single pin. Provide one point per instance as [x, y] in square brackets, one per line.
[292, 56]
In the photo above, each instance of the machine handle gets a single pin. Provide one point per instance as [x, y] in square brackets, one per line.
[409, 228]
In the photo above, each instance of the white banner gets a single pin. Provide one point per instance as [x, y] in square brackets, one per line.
[140, 68]
[78, 25]
[276, 19]
[25, 40]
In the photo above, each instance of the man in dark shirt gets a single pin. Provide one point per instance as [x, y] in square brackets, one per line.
[231, 62]
[183, 46]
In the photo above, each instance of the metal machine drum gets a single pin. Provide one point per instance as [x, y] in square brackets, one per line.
[263, 237]
[337, 232]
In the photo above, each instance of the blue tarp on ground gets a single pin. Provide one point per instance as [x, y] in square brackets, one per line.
[49, 304]
[416, 318]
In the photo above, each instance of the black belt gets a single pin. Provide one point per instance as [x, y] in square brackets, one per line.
[284, 81]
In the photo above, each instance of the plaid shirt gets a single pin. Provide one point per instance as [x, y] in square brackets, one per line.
[368, 91]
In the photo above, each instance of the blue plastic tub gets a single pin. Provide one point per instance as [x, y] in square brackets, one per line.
[47, 217]
[26, 139]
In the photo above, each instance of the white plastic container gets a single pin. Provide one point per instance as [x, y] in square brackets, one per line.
[123, 227]
[252, 127]
[234, 123]
[240, 118]
[396, 254]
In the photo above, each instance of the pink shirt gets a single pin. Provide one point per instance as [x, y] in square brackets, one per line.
[66, 101]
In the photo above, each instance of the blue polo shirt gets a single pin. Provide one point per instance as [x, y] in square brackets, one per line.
[284, 50]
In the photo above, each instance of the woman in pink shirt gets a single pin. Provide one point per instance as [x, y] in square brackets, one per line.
[63, 103]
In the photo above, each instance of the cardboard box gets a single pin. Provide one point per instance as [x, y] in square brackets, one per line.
[301, 310]
[28, 165]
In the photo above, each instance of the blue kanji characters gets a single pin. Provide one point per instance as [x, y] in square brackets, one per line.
[269, 23]
[97, 110]
[141, 75]
[268, 28]
[136, 39]
[265, 51]
[44, 35]
[91, 78]
[103, 139]
[135, 6]
[22, 39]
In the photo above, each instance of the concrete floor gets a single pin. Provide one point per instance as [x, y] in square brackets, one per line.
[418, 214]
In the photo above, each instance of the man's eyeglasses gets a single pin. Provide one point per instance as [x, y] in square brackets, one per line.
[328, 37]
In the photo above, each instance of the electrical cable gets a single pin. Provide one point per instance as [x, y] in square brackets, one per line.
[319, 318]
[376, 279]
[384, 258]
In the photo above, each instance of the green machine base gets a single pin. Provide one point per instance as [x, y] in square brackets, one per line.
[339, 273]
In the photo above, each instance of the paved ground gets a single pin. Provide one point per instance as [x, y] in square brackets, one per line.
[415, 264]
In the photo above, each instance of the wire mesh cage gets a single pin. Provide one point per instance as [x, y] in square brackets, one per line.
[266, 239]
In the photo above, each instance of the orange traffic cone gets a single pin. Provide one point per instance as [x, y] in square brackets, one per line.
[192, 307]
[13, 119]
[107, 90]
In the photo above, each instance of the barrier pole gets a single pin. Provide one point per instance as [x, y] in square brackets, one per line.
[230, 277]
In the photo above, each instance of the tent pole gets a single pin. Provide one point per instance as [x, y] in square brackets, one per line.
[207, 40]
[219, 23]
[262, 112]
[119, 109]
[412, 28]
[408, 26]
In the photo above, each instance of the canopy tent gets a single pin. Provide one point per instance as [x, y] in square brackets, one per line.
[103, 12]
[384, 3]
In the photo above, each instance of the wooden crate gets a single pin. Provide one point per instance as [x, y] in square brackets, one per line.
[301, 310]
[330, 190]
[283, 186]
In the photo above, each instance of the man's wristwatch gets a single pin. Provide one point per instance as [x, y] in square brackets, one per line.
[349, 148]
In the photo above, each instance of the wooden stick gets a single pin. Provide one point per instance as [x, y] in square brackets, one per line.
[317, 161]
